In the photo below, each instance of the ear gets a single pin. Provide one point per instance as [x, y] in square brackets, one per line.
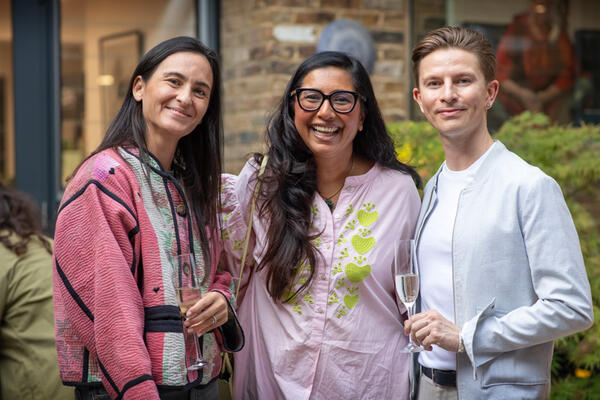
[417, 98]
[138, 88]
[492, 91]
[362, 120]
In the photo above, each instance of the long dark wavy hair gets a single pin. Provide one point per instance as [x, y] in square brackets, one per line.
[290, 180]
[198, 155]
[20, 216]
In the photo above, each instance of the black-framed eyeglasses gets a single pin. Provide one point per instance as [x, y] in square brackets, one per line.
[342, 101]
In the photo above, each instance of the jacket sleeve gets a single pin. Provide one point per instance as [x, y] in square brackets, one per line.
[229, 335]
[94, 272]
[558, 276]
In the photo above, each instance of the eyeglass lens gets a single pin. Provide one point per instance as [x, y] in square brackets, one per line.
[341, 101]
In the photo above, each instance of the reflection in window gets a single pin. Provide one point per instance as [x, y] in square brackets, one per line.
[548, 54]
[536, 63]
[101, 43]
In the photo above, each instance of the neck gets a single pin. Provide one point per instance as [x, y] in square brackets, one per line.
[460, 154]
[332, 172]
[163, 150]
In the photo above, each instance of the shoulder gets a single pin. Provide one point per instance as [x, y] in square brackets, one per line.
[513, 167]
[387, 181]
[511, 172]
[98, 168]
[105, 175]
[8, 258]
[392, 176]
[236, 190]
[247, 179]
[36, 256]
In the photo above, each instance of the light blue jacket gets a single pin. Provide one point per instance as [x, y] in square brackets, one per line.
[518, 275]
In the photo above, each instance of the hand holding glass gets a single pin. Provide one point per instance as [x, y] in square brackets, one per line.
[187, 280]
[407, 282]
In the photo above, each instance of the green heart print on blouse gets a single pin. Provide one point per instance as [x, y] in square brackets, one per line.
[362, 245]
[357, 273]
[350, 301]
[367, 218]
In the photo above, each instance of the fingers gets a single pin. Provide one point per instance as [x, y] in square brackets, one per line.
[207, 314]
[430, 327]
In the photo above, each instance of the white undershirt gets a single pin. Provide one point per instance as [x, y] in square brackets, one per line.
[435, 256]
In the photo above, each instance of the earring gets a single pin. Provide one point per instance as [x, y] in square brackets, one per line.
[487, 105]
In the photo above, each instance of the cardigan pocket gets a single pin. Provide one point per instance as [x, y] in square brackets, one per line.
[527, 366]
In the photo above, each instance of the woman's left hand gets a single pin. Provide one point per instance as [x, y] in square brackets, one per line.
[207, 314]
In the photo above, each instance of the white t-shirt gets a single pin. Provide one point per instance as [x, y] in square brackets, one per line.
[435, 256]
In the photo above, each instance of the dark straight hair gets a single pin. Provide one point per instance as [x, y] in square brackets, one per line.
[198, 154]
[290, 180]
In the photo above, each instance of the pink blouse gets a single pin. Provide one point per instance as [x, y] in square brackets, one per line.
[342, 338]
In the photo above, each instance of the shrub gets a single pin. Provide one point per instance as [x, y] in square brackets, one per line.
[571, 155]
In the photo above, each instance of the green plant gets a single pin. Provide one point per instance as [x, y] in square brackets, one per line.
[570, 155]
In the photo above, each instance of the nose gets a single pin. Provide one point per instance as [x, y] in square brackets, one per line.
[448, 93]
[326, 112]
[184, 95]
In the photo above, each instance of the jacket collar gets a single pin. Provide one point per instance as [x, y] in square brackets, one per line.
[485, 168]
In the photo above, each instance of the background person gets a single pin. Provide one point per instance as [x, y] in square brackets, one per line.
[536, 63]
[319, 307]
[28, 366]
[502, 275]
[148, 193]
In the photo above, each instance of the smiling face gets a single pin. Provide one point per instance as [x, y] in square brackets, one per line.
[453, 94]
[174, 100]
[327, 133]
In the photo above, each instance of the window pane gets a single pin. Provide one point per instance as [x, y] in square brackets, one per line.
[7, 128]
[101, 42]
[548, 55]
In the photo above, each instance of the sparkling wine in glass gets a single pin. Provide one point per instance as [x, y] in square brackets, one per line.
[187, 280]
[407, 282]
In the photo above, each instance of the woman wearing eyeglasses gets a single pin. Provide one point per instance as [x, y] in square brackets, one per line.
[318, 304]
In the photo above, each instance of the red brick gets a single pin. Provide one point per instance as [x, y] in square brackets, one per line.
[316, 17]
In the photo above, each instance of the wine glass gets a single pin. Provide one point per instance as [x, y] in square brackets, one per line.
[187, 280]
[407, 282]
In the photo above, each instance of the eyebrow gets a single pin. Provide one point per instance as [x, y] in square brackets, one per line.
[183, 77]
[457, 75]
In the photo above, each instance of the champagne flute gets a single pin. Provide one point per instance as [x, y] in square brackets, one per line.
[407, 282]
[187, 280]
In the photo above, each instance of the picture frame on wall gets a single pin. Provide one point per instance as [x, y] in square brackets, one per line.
[119, 55]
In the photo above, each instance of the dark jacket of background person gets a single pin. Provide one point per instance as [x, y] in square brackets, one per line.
[28, 366]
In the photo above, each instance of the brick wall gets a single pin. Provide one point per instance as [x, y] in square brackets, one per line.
[263, 41]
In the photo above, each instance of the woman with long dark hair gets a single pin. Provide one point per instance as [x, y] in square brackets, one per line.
[319, 306]
[147, 194]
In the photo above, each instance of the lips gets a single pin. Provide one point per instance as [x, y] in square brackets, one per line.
[449, 112]
[178, 111]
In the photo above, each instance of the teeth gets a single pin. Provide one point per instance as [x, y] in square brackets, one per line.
[325, 130]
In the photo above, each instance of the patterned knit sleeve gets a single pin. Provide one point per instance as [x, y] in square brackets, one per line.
[97, 300]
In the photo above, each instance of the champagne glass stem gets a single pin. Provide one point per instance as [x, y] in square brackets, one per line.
[409, 313]
[199, 362]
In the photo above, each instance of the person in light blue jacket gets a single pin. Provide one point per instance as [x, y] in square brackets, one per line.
[502, 275]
